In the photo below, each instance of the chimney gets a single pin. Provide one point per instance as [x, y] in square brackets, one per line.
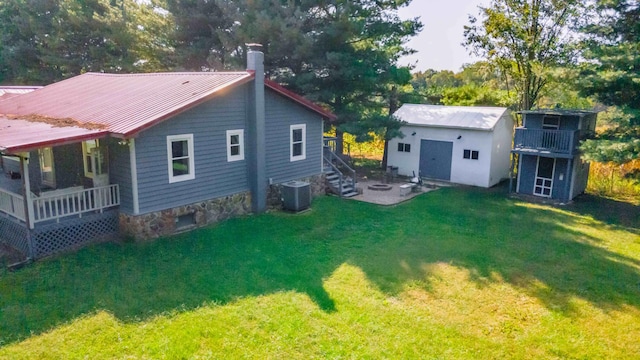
[257, 163]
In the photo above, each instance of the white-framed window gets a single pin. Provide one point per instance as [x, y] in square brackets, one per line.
[47, 167]
[551, 122]
[298, 142]
[180, 157]
[235, 145]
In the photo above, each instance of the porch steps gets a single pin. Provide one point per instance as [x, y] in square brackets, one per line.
[348, 186]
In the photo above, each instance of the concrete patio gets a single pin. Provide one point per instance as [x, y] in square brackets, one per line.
[394, 195]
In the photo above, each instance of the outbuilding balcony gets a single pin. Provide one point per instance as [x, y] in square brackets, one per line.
[559, 143]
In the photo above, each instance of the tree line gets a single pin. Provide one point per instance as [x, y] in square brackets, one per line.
[344, 53]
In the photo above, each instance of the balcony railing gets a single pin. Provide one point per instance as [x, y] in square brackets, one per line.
[552, 141]
[56, 204]
[74, 201]
[12, 204]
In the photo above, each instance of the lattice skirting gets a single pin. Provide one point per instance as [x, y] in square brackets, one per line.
[54, 238]
[14, 234]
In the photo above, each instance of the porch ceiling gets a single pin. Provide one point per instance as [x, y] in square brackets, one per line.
[21, 135]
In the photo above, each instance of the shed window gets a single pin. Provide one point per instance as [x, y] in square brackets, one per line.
[471, 154]
[235, 145]
[551, 122]
[298, 142]
[180, 157]
[403, 147]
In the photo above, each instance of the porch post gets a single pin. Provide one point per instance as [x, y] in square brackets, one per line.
[26, 186]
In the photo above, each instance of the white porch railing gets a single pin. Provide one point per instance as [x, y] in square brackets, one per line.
[12, 204]
[65, 202]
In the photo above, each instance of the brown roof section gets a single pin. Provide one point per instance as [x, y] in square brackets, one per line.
[23, 135]
[119, 104]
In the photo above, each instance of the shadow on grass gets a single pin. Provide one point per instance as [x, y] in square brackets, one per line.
[481, 231]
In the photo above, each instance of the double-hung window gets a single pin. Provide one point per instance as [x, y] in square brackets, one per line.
[180, 157]
[298, 142]
[235, 145]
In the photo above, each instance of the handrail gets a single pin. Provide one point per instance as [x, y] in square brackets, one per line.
[12, 204]
[74, 202]
[329, 160]
[559, 141]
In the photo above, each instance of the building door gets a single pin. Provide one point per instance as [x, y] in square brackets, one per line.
[543, 185]
[435, 159]
[96, 162]
[47, 168]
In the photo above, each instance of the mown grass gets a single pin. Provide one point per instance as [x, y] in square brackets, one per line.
[457, 273]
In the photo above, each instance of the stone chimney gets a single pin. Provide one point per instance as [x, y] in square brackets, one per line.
[257, 162]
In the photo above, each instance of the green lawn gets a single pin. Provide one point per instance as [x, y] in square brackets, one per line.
[455, 273]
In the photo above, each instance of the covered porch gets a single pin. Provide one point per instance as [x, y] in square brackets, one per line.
[57, 197]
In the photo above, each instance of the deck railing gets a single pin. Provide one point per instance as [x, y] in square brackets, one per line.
[58, 204]
[12, 204]
[555, 141]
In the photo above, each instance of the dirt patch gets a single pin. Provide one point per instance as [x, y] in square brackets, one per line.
[9, 255]
[56, 122]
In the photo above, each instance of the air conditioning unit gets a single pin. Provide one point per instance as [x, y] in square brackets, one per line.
[296, 195]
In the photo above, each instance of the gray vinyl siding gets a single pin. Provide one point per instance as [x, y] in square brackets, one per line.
[214, 176]
[35, 178]
[11, 164]
[120, 173]
[567, 122]
[281, 113]
[528, 174]
[68, 165]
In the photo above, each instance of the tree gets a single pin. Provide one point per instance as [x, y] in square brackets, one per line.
[206, 34]
[611, 73]
[351, 62]
[524, 39]
[46, 41]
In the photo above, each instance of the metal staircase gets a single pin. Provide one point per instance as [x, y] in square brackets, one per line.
[340, 177]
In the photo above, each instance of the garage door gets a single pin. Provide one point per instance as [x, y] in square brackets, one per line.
[435, 159]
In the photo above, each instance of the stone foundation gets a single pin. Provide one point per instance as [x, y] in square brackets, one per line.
[274, 192]
[165, 222]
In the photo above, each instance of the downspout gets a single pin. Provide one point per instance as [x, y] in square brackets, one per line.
[134, 176]
[257, 165]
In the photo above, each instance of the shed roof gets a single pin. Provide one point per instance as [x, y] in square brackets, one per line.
[119, 104]
[459, 117]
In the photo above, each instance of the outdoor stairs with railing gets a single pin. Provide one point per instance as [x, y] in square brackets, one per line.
[340, 177]
[348, 186]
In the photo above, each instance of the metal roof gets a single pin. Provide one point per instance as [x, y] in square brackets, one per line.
[459, 117]
[570, 112]
[11, 91]
[124, 104]
[22, 135]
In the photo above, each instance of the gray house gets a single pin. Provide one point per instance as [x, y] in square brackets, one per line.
[150, 154]
[546, 148]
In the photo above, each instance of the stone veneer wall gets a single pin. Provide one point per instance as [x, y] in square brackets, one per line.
[316, 183]
[162, 223]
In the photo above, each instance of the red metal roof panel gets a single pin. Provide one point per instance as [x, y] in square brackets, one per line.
[21, 135]
[124, 103]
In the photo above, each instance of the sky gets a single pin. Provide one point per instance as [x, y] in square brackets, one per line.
[439, 45]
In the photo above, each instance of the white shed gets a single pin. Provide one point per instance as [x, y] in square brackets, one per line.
[461, 144]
